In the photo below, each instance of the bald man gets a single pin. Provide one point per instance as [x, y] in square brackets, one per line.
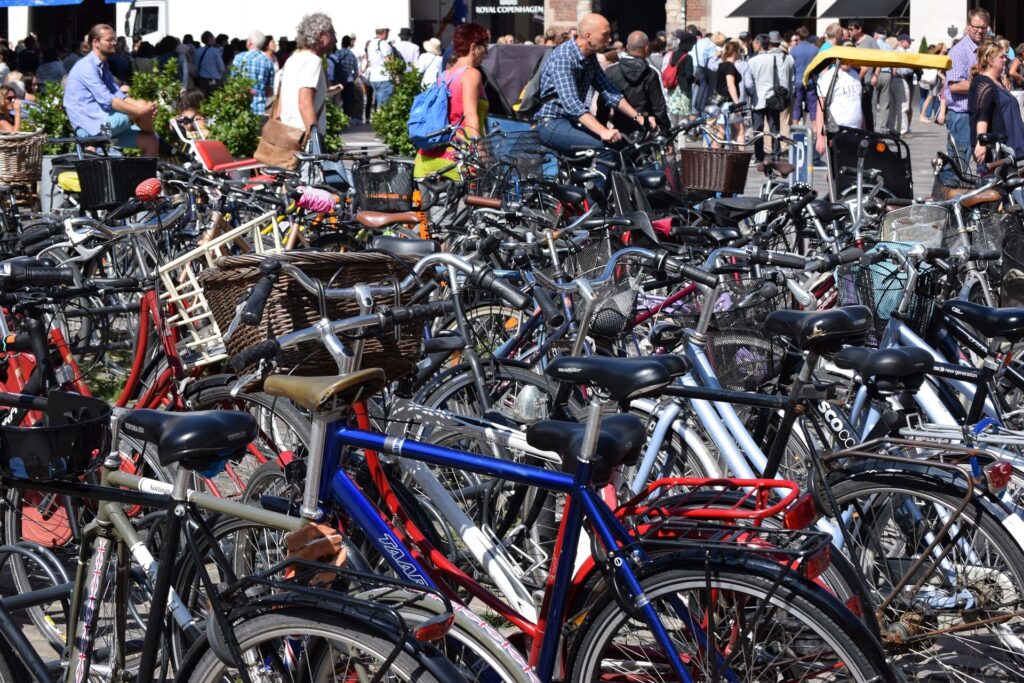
[564, 121]
[641, 84]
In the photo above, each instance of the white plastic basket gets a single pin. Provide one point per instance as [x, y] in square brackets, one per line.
[917, 223]
[200, 339]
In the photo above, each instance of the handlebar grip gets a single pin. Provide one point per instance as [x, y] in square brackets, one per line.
[873, 257]
[984, 255]
[771, 258]
[39, 233]
[264, 350]
[935, 253]
[797, 207]
[830, 261]
[553, 315]
[486, 278]
[114, 282]
[484, 202]
[488, 244]
[428, 311]
[772, 205]
[12, 275]
[676, 268]
[33, 249]
[129, 208]
[252, 312]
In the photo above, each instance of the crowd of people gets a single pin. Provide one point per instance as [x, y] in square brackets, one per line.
[592, 87]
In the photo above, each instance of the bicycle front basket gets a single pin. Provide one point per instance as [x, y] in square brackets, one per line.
[73, 435]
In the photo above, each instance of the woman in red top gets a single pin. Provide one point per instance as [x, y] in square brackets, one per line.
[467, 104]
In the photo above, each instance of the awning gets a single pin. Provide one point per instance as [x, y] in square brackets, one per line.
[864, 9]
[859, 56]
[775, 8]
[37, 3]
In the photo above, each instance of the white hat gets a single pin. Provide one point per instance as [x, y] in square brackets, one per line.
[432, 45]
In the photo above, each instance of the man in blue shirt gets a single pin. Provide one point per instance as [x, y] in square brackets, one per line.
[209, 64]
[564, 121]
[255, 65]
[95, 105]
[703, 86]
[803, 52]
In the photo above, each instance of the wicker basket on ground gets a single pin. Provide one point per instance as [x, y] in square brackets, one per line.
[21, 157]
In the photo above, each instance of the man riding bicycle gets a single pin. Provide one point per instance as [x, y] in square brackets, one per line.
[563, 121]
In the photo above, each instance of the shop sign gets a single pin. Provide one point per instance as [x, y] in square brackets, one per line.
[509, 7]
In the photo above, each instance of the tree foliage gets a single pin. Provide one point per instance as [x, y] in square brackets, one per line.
[391, 122]
[163, 87]
[228, 112]
[48, 115]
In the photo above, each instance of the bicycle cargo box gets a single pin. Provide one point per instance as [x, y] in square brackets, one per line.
[384, 185]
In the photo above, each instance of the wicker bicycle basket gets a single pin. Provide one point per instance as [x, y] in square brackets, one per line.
[290, 308]
[21, 157]
[713, 170]
[742, 355]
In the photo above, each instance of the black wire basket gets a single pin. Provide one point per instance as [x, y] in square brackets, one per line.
[109, 181]
[743, 356]
[384, 185]
[73, 435]
[880, 287]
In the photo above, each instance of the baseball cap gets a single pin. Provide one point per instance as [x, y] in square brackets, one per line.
[903, 36]
[744, 35]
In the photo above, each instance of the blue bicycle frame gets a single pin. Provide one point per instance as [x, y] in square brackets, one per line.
[337, 488]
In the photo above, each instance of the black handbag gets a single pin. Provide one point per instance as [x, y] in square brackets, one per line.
[781, 97]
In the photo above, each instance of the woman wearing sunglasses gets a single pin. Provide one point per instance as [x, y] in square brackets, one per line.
[11, 118]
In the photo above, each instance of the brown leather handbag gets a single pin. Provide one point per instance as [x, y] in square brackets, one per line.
[278, 141]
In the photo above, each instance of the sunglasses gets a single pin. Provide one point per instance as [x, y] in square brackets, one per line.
[9, 98]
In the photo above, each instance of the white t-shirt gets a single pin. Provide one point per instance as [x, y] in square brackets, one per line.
[376, 53]
[429, 65]
[304, 69]
[845, 105]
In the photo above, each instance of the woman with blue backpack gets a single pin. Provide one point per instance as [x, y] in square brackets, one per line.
[457, 99]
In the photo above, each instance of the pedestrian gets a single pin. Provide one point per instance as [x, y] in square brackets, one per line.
[728, 88]
[377, 52]
[640, 83]
[74, 56]
[303, 92]
[769, 67]
[991, 108]
[963, 56]
[429, 62]
[1016, 76]
[467, 101]
[844, 109]
[270, 52]
[51, 70]
[805, 99]
[409, 50]
[94, 103]
[30, 58]
[702, 50]
[902, 77]
[209, 67]
[255, 65]
[678, 101]
[346, 72]
[868, 76]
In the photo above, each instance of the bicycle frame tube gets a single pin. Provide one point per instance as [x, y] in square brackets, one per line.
[583, 499]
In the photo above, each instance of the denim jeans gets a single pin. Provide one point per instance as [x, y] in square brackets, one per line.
[958, 125]
[567, 137]
[382, 91]
[805, 97]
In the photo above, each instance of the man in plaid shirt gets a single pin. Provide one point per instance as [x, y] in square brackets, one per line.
[256, 65]
[564, 122]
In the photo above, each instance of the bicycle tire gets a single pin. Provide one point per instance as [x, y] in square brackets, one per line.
[263, 630]
[799, 610]
[996, 566]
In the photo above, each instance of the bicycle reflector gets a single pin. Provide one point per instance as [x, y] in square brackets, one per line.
[435, 628]
[148, 190]
[801, 513]
[815, 565]
[998, 475]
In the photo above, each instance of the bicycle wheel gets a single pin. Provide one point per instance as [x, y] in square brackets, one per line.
[284, 646]
[766, 627]
[959, 617]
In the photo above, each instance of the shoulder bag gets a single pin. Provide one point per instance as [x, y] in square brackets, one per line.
[278, 141]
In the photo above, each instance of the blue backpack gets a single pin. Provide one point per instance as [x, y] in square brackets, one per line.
[430, 115]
